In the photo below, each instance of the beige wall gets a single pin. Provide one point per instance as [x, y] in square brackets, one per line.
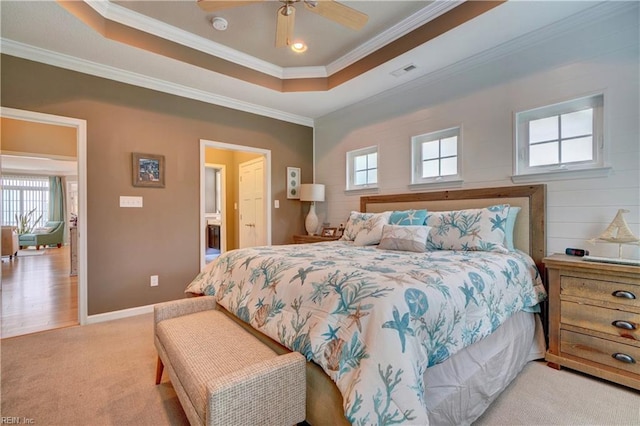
[126, 246]
[38, 139]
[231, 159]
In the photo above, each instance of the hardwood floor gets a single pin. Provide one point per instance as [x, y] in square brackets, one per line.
[38, 293]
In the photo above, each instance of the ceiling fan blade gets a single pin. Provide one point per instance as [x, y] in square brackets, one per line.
[215, 5]
[339, 13]
[284, 25]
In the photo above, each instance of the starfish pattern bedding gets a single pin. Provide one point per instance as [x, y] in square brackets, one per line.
[373, 319]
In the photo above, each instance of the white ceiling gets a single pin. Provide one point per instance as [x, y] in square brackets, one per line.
[45, 32]
[251, 28]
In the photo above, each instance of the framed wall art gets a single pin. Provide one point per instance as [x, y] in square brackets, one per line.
[293, 183]
[148, 170]
[329, 232]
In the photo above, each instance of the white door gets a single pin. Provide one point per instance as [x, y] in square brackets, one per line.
[252, 204]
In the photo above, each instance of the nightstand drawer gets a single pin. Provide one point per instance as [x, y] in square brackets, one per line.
[600, 351]
[603, 291]
[602, 320]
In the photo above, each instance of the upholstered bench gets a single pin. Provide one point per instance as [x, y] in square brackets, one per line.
[221, 373]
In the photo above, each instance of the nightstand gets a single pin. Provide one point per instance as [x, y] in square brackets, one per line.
[304, 239]
[594, 318]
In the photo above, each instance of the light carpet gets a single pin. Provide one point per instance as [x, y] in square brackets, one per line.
[104, 374]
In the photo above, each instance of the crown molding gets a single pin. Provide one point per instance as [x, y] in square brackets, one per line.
[39, 172]
[130, 18]
[48, 57]
[584, 19]
[304, 72]
[421, 17]
[115, 12]
[34, 155]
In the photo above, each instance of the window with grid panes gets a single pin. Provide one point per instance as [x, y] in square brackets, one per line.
[22, 194]
[362, 168]
[564, 136]
[436, 156]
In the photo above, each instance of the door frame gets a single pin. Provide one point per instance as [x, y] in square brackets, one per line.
[205, 143]
[81, 136]
[223, 206]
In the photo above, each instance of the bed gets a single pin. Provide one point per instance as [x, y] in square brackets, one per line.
[397, 330]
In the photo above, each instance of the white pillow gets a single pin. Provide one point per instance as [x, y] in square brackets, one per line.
[371, 230]
[404, 237]
[354, 225]
[472, 229]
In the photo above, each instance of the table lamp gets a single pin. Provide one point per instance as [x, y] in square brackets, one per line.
[311, 192]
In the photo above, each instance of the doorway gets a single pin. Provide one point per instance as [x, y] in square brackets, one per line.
[251, 195]
[80, 127]
[216, 154]
[215, 209]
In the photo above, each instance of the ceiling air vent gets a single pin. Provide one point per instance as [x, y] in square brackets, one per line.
[403, 70]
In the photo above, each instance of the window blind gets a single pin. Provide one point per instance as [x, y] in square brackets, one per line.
[21, 194]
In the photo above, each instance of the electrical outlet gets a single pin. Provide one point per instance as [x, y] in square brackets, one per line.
[154, 281]
[276, 204]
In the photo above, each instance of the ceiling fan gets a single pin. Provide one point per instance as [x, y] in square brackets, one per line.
[329, 9]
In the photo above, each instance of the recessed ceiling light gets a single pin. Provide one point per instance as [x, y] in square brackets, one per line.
[299, 47]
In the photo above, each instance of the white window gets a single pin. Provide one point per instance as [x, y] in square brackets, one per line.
[561, 137]
[25, 201]
[362, 168]
[436, 156]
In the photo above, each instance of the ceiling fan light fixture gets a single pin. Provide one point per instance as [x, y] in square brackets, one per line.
[299, 47]
[287, 10]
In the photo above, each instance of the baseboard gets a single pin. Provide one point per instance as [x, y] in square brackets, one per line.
[124, 313]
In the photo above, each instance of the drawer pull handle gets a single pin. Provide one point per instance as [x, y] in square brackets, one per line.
[624, 294]
[624, 358]
[624, 325]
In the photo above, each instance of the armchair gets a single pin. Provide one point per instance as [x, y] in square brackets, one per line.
[52, 233]
[9, 241]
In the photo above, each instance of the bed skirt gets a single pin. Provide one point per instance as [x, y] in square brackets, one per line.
[457, 391]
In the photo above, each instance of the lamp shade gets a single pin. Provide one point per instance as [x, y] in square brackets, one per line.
[311, 192]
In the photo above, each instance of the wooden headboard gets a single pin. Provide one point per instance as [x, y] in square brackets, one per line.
[529, 231]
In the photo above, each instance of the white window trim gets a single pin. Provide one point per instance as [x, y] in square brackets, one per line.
[351, 186]
[596, 172]
[522, 173]
[417, 181]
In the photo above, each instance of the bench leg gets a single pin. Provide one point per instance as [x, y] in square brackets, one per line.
[159, 370]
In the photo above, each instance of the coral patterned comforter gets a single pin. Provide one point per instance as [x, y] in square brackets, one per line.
[373, 319]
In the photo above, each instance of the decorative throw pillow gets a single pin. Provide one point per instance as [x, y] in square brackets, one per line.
[371, 231]
[472, 229]
[405, 238]
[509, 226]
[354, 225]
[408, 217]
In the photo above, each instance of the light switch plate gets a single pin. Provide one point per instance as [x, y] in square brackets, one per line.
[130, 201]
